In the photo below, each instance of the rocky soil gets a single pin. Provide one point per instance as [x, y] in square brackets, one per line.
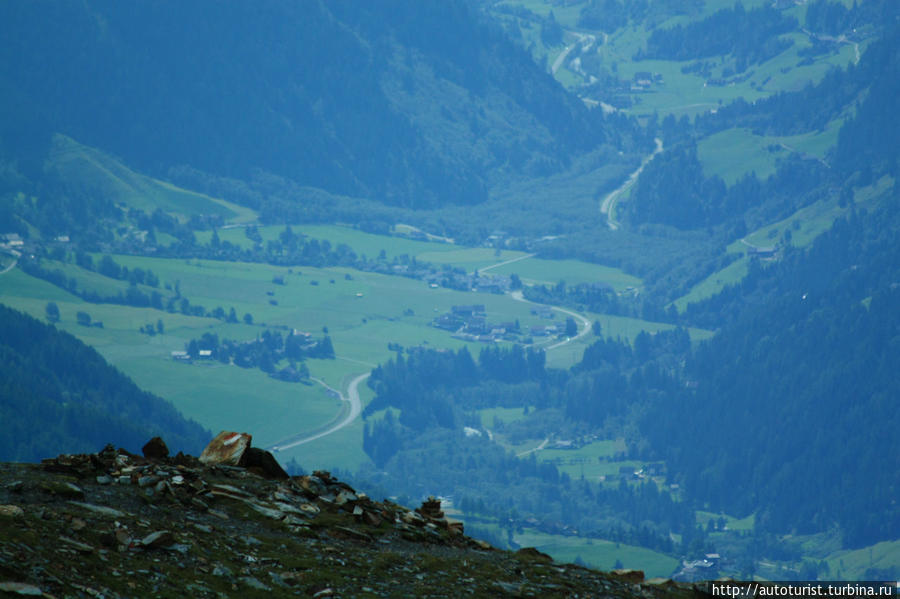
[114, 524]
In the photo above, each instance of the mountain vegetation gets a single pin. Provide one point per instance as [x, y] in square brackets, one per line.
[741, 161]
[57, 392]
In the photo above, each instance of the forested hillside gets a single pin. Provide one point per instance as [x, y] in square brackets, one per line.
[59, 395]
[411, 105]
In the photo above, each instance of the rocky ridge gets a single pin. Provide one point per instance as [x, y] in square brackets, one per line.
[233, 524]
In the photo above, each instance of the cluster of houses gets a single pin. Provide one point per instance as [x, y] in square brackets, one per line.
[469, 323]
[706, 568]
[644, 80]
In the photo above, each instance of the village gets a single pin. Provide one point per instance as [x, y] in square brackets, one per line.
[469, 323]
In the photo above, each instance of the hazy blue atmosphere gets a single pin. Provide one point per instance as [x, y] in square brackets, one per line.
[615, 279]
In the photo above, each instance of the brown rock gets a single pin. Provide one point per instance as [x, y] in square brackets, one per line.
[629, 575]
[227, 448]
[262, 462]
[11, 511]
[431, 508]
[155, 449]
[161, 538]
[531, 553]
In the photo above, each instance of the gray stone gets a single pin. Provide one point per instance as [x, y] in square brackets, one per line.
[161, 538]
[21, 588]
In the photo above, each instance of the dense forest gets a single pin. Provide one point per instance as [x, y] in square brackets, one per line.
[750, 35]
[57, 395]
[380, 101]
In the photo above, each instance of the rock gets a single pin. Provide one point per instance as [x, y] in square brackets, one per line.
[431, 508]
[104, 480]
[263, 462]
[146, 481]
[20, 588]
[77, 545]
[629, 575]
[455, 527]
[100, 509]
[122, 537]
[254, 583]
[155, 449]
[63, 489]
[325, 593]
[291, 578]
[11, 511]
[161, 538]
[533, 554]
[227, 448]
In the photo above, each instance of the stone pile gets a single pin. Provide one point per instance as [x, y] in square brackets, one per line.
[292, 501]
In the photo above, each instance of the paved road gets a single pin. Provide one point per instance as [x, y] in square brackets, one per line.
[355, 408]
[504, 263]
[609, 202]
[562, 55]
[15, 261]
[585, 323]
[538, 448]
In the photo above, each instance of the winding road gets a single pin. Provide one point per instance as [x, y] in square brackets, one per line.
[585, 323]
[13, 264]
[347, 415]
[353, 408]
[609, 202]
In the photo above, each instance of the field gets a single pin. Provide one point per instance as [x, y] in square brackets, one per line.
[361, 311]
[732, 153]
[490, 415]
[530, 269]
[599, 553]
[852, 565]
[573, 272]
[681, 93]
[732, 523]
[804, 226]
[104, 175]
[591, 461]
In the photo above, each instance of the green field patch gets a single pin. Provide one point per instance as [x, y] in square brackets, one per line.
[714, 283]
[852, 565]
[732, 153]
[363, 313]
[599, 553]
[489, 416]
[804, 226]
[624, 327]
[218, 396]
[101, 174]
[573, 272]
[731, 523]
[592, 461]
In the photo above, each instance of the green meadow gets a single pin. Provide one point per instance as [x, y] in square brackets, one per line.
[104, 175]
[681, 93]
[549, 272]
[732, 523]
[591, 461]
[803, 227]
[732, 153]
[852, 565]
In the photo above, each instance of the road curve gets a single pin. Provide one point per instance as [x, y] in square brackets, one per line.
[586, 324]
[354, 412]
[609, 202]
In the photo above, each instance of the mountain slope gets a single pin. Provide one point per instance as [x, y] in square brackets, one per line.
[407, 104]
[56, 393]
